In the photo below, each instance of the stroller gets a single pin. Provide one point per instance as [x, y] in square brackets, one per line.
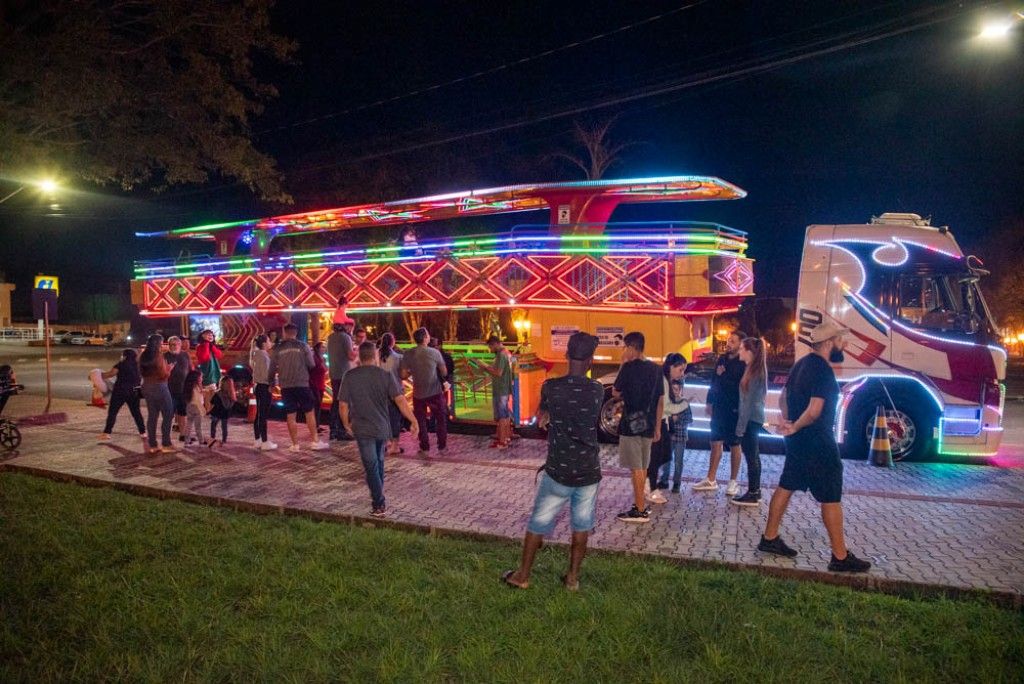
[10, 435]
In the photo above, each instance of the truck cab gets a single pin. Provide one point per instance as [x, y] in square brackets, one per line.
[922, 343]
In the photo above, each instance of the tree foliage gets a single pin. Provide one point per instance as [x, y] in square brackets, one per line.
[136, 92]
[1003, 251]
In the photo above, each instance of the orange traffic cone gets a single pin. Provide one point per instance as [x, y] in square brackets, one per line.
[250, 415]
[880, 453]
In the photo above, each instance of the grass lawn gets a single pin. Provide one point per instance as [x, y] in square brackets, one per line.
[97, 584]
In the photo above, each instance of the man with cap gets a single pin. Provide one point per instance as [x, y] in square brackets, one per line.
[808, 405]
[569, 408]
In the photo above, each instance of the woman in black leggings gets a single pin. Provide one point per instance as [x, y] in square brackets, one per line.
[125, 392]
[750, 418]
[259, 359]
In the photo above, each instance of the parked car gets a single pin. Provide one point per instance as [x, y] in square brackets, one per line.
[66, 337]
[87, 339]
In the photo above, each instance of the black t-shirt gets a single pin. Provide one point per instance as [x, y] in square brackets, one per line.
[182, 363]
[574, 403]
[725, 386]
[640, 382]
[128, 376]
[812, 377]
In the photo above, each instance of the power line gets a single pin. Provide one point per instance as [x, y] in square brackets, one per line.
[486, 72]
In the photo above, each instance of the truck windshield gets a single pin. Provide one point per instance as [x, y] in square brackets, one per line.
[943, 302]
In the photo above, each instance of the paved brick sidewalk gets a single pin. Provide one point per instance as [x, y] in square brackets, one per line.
[956, 526]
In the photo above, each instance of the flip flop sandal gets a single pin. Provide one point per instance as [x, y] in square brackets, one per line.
[505, 577]
[575, 586]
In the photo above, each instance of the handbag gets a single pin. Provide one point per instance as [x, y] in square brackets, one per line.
[637, 421]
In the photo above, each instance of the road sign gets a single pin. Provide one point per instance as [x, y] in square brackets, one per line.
[47, 282]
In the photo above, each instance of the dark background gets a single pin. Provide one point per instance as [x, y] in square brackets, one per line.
[929, 121]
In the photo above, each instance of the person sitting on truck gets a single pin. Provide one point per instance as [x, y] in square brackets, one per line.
[723, 405]
[640, 386]
[808, 405]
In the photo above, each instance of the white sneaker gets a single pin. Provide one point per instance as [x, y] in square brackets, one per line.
[656, 497]
[268, 446]
[257, 444]
[706, 485]
[733, 489]
[319, 446]
[295, 449]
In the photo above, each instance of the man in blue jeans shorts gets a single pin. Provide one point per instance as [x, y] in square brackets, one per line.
[569, 407]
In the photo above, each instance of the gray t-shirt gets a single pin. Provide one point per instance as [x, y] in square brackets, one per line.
[291, 360]
[375, 388]
[339, 354]
[182, 365]
[423, 363]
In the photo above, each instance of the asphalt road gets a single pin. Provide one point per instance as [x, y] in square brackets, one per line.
[71, 366]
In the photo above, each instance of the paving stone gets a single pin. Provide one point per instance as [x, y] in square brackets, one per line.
[933, 523]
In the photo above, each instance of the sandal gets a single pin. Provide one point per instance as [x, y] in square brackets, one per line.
[575, 586]
[506, 577]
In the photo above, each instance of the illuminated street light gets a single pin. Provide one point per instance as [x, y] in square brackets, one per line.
[998, 30]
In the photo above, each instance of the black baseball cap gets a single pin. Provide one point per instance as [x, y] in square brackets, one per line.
[582, 346]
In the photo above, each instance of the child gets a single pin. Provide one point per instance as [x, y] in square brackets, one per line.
[194, 409]
[220, 410]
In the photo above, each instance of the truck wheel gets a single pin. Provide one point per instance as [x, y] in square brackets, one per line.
[608, 419]
[911, 425]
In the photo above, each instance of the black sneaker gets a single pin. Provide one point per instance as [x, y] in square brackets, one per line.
[378, 512]
[748, 499]
[663, 485]
[675, 489]
[776, 546]
[849, 564]
[635, 515]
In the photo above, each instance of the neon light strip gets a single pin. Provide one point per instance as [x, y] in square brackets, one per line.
[368, 254]
[438, 307]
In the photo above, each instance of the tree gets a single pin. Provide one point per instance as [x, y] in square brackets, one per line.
[1003, 252]
[595, 152]
[136, 92]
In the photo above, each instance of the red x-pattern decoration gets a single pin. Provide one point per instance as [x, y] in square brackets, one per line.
[630, 281]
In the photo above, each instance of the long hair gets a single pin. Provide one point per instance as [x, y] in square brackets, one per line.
[151, 354]
[318, 355]
[671, 361]
[758, 367]
[387, 345]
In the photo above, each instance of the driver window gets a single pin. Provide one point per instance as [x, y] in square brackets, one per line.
[924, 303]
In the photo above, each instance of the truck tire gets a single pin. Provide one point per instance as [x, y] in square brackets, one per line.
[912, 440]
[608, 418]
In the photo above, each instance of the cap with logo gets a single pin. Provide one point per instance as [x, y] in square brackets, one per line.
[825, 331]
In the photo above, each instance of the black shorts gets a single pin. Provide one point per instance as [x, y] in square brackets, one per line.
[813, 466]
[297, 399]
[180, 405]
[724, 429]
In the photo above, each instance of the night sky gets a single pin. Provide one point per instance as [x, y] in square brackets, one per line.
[928, 121]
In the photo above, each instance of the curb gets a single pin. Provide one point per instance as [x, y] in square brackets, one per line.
[903, 588]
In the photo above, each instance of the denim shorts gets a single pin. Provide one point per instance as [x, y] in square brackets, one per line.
[500, 403]
[552, 496]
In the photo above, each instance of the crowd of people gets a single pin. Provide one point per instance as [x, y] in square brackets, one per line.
[652, 437]
[369, 406]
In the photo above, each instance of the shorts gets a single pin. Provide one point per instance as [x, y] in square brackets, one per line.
[635, 452]
[297, 399]
[180, 405]
[816, 467]
[724, 429]
[552, 496]
[500, 403]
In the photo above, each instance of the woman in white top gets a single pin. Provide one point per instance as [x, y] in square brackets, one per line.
[391, 361]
